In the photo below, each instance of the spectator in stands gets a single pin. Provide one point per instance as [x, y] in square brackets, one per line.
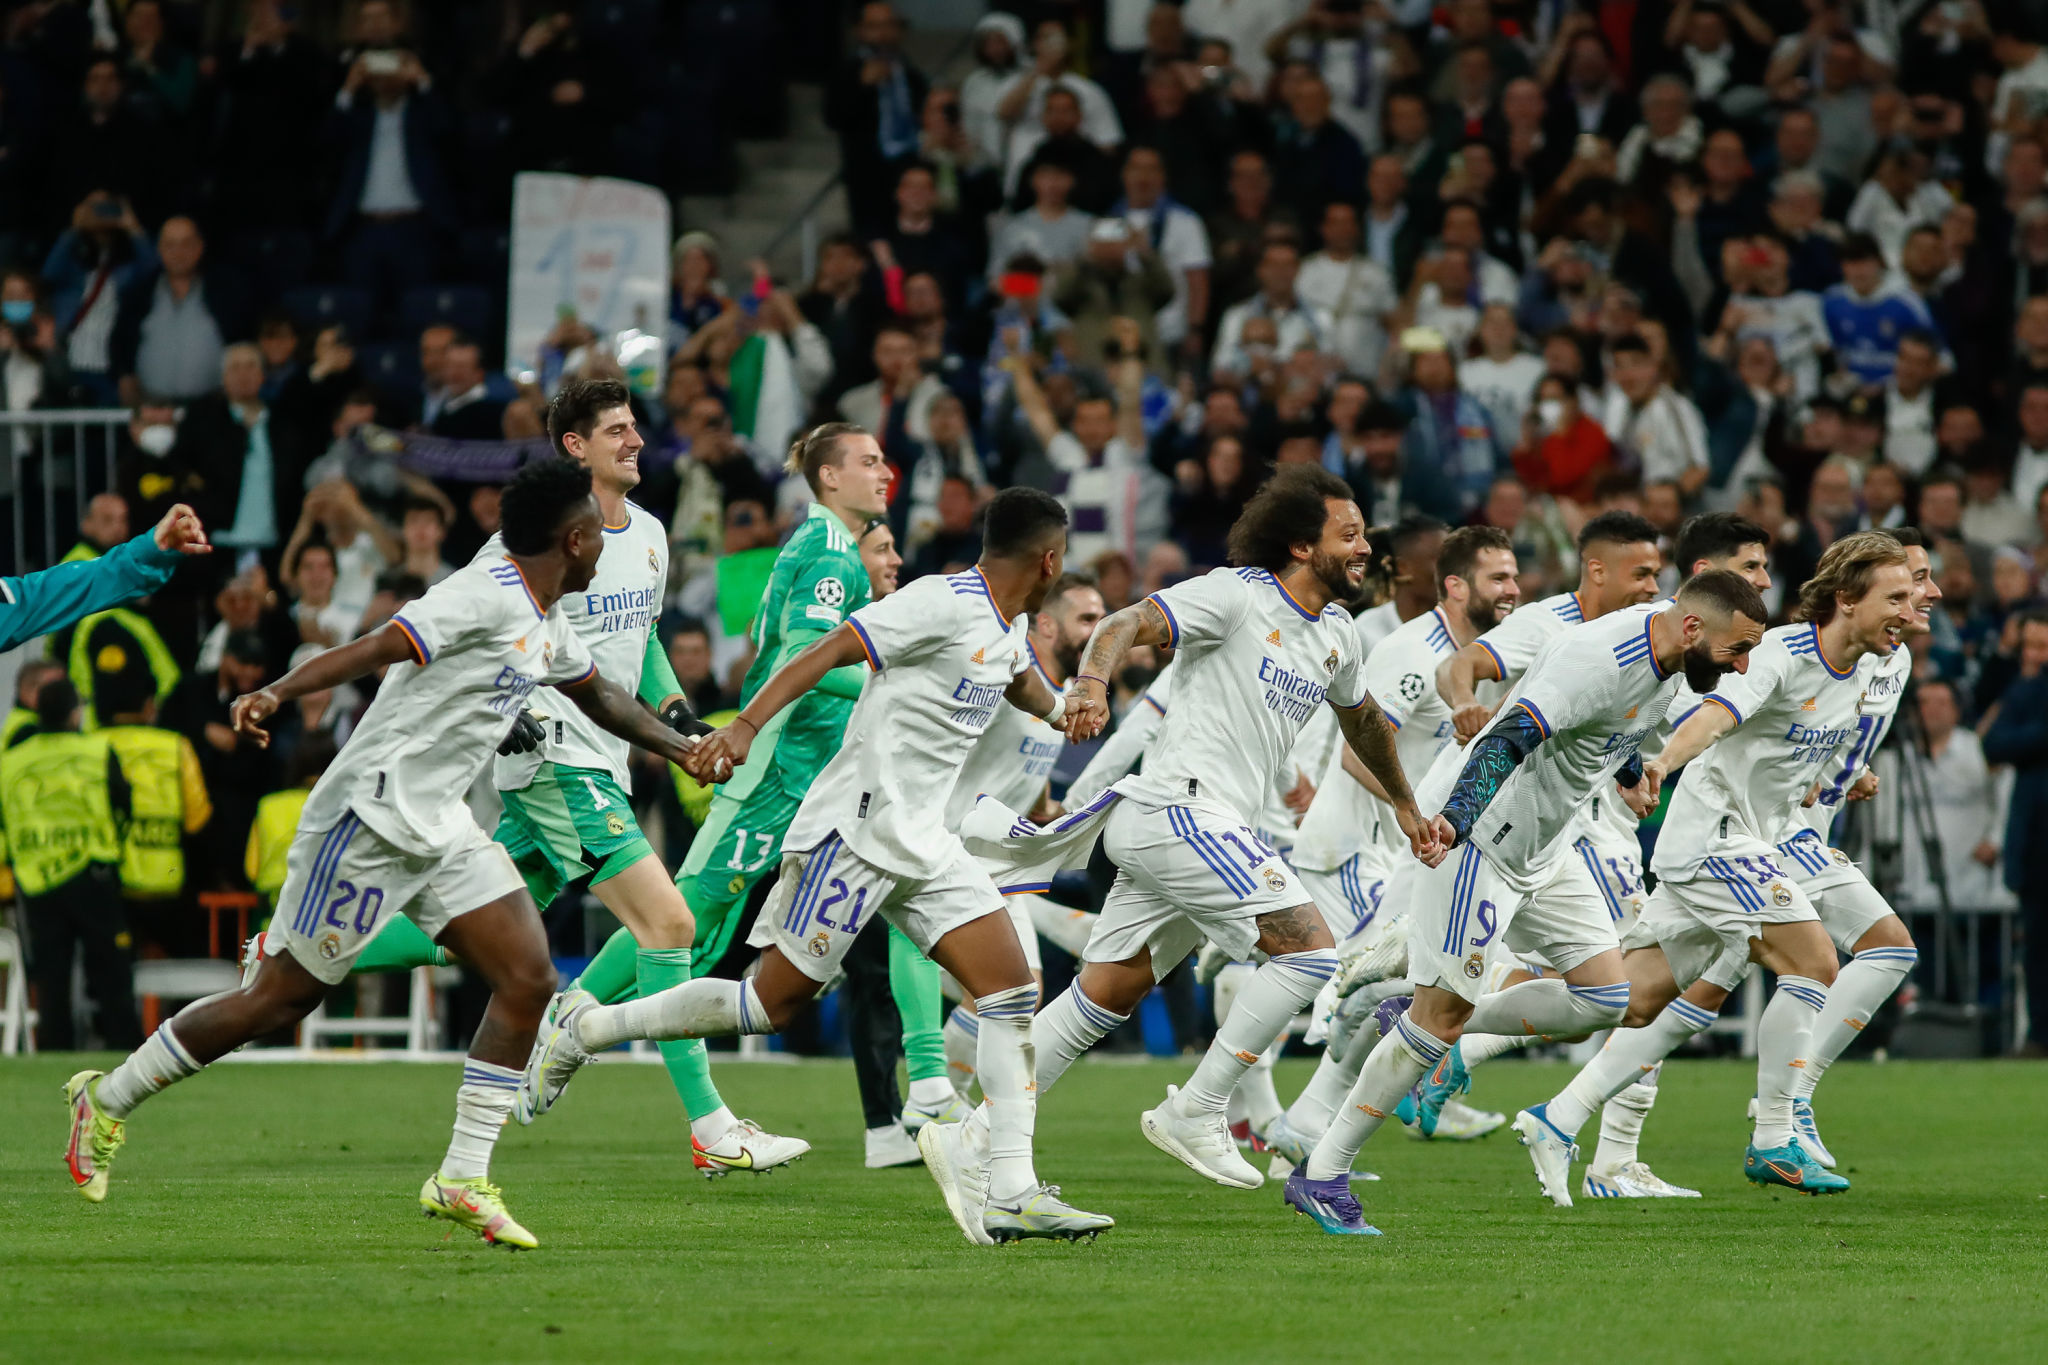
[1208, 495]
[1297, 325]
[362, 545]
[2030, 451]
[1563, 451]
[2018, 735]
[695, 294]
[106, 144]
[392, 205]
[953, 540]
[34, 371]
[1393, 236]
[948, 454]
[563, 98]
[966, 185]
[998, 57]
[237, 771]
[689, 653]
[172, 322]
[1022, 103]
[253, 478]
[420, 537]
[273, 93]
[896, 403]
[844, 302]
[320, 619]
[1051, 231]
[1120, 276]
[924, 241]
[90, 264]
[1449, 437]
[468, 411]
[150, 473]
[1315, 159]
[1058, 136]
[872, 102]
[1177, 236]
[1096, 463]
[1353, 290]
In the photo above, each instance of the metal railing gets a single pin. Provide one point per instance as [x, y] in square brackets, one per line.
[55, 457]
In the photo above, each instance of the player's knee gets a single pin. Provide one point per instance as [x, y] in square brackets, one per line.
[527, 984]
[1017, 1003]
[1603, 1006]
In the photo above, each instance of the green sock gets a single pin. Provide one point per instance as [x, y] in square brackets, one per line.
[611, 973]
[400, 946]
[689, 1067]
[914, 981]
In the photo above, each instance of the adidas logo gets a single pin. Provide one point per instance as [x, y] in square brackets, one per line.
[977, 658]
[1631, 713]
[520, 644]
[1810, 704]
[1274, 638]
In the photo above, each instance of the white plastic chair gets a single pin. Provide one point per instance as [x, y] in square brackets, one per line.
[416, 1025]
[17, 1020]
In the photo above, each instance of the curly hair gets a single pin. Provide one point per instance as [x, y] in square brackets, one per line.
[1845, 570]
[541, 496]
[1289, 511]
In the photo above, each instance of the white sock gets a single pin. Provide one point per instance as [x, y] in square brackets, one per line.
[1475, 1048]
[713, 1126]
[709, 1007]
[1007, 1068]
[1065, 1029]
[963, 1036]
[1389, 1073]
[482, 1104]
[1621, 1121]
[1865, 982]
[1223, 991]
[160, 1061]
[1255, 1088]
[1313, 1108]
[1277, 991]
[1783, 1038]
[1064, 928]
[1630, 1054]
[933, 1092]
[1550, 1007]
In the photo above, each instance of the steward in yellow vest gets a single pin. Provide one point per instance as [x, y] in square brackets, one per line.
[61, 799]
[167, 794]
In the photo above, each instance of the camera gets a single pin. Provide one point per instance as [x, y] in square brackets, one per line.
[383, 63]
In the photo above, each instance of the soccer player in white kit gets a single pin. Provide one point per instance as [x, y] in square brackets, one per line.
[1258, 649]
[871, 839]
[1711, 540]
[1345, 851]
[1012, 763]
[386, 832]
[1723, 896]
[1514, 798]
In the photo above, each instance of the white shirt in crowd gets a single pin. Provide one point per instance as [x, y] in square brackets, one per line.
[1246, 25]
[1505, 388]
[1183, 245]
[1356, 294]
[1874, 211]
[1666, 435]
[1297, 327]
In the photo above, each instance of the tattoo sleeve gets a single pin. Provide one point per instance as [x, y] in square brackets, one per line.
[1141, 623]
[1372, 739]
[1492, 758]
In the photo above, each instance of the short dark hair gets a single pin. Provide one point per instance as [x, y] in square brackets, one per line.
[245, 645]
[1920, 336]
[1460, 555]
[1403, 534]
[1715, 535]
[1289, 510]
[1380, 415]
[1073, 580]
[1629, 344]
[1616, 528]
[576, 406]
[541, 496]
[1910, 537]
[1724, 591]
[55, 703]
[1860, 246]
[315, 752]
[812, 450]
[401, 583]
[1019, 520]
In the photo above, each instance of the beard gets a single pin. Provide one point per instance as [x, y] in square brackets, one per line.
[1702, 673]
[1483, 616]
[1333, 572]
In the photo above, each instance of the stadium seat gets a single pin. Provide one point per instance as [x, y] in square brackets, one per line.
[17, 1020]
[484, 256]
[276, 261]
[180, 979]
[464, 307]
[315, 306]
[390, 366]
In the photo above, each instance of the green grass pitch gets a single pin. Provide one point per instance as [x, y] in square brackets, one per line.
[268, 1213]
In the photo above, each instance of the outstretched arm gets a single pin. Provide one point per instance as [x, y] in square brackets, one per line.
[1370, 737]
[615, 710]
[1489, 763]
[388, 644]
[718, 753]
[1141, 623]
[38, 603]
[1711, 720]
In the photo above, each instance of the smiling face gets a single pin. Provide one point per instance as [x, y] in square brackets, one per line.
[1339, 558]
[1879, 619]
[1712, 652]
[1622, 575]
[612, 450]
[878, 556]
[1491, 592]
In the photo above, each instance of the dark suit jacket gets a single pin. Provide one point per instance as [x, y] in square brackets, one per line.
[351, 132]
[212, 443]
[2020, 737]
[1311, 169]
[853, 111]
[226, 298]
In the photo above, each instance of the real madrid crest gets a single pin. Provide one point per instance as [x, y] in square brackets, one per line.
[1274, 881]
[819, 945]
[1781, 895]
[1475, 966]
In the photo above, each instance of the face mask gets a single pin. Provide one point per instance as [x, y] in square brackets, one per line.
[17, 311]
[1550, 412]
[157, 440]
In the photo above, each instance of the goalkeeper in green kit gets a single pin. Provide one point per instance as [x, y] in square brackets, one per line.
[818, 580]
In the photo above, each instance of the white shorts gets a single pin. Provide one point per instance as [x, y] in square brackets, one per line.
[1617, 869]
[829, 894]
[1027, 929]
[1349, 896]
[1186, 873]
[1467, 905]
[1848, 905]
[1705, 924]
[342, 884]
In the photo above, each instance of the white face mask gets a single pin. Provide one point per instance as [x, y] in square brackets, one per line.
[1550, 412]
[156, 440]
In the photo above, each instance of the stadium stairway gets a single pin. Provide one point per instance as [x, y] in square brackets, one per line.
[780, 178]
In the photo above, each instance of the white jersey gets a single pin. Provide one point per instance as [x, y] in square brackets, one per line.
[1399, 673]
[613, 617]
[1514, 643]
[481, 646]
[942, 657]
[1375, 624]
[1884, 678]
[1012, 760]
[1594, 692]
[1251, 666]
[1126, 746]
[1743, 796]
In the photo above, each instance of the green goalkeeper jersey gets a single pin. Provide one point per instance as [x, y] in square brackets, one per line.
[817, 582]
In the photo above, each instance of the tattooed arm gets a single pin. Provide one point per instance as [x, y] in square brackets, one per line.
[1489, 762]
[1370, 738]
[1141, 623]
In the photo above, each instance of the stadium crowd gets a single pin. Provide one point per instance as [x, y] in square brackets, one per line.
[1507, 263]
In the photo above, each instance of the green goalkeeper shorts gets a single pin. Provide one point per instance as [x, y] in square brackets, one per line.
[566, 822]
[740, 843]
